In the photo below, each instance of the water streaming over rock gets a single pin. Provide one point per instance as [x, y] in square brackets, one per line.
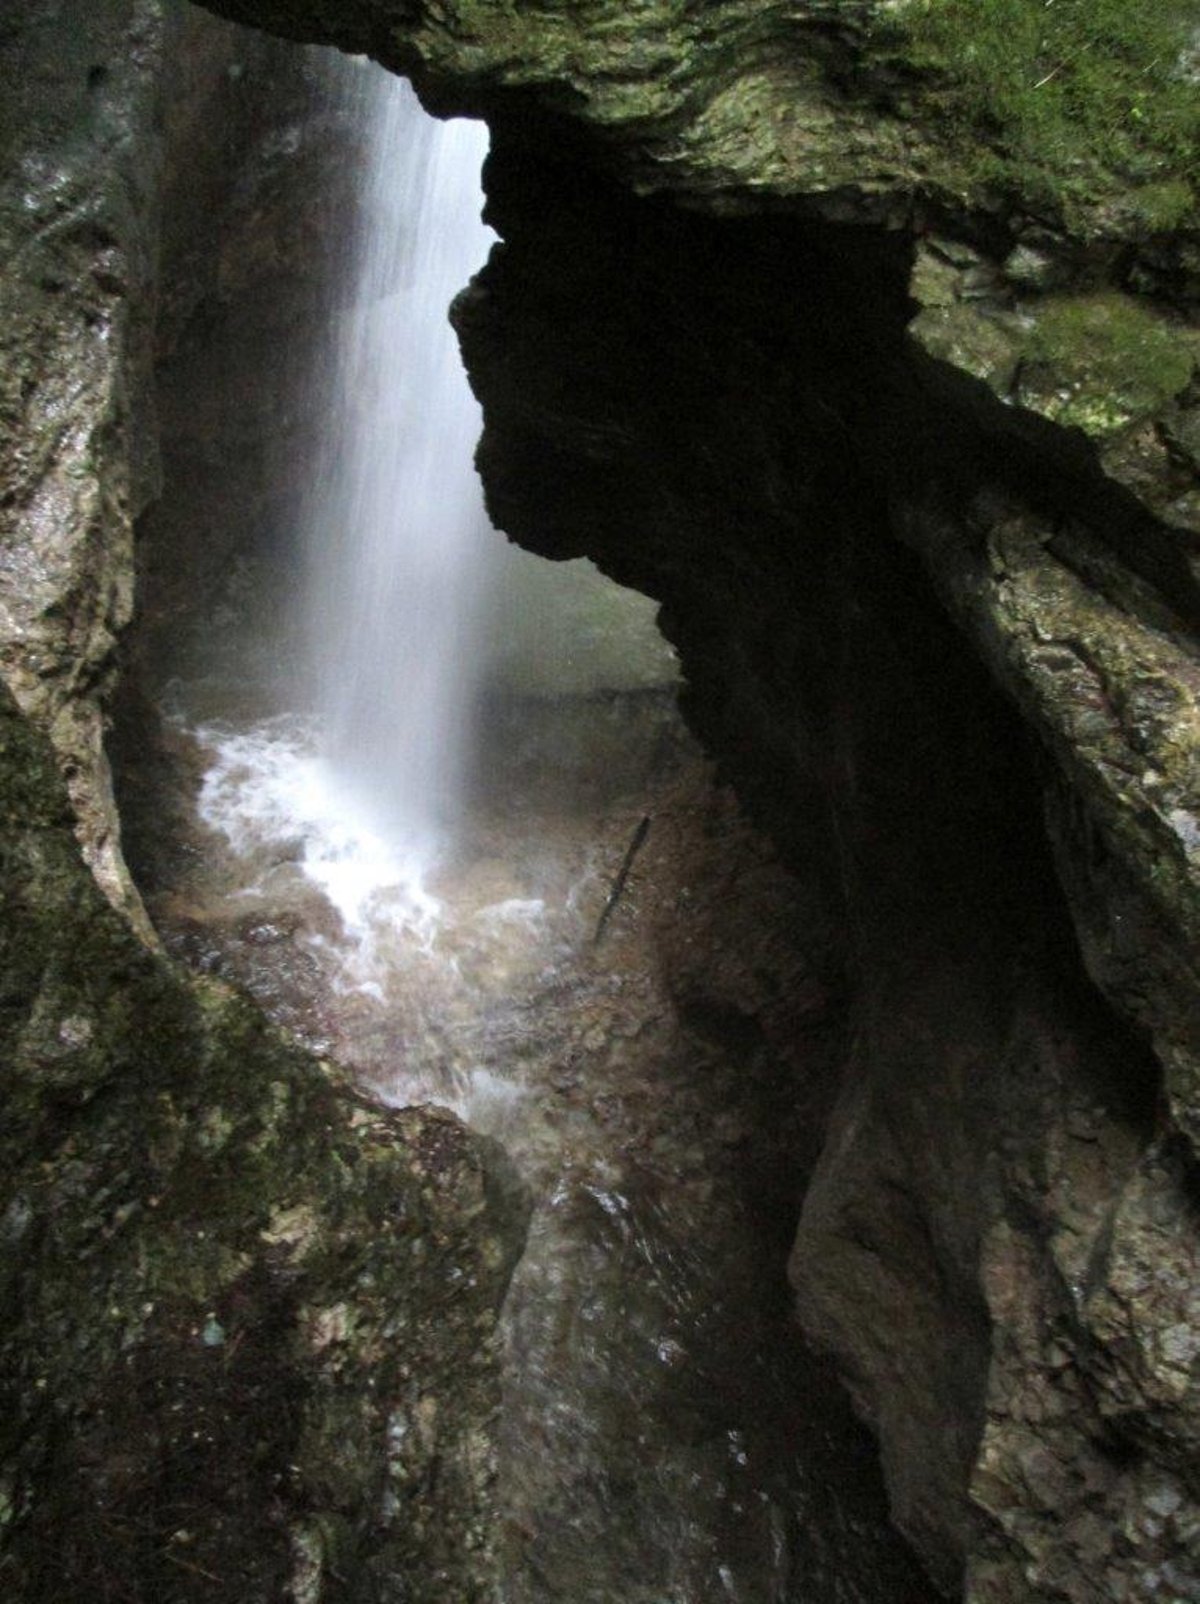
[663, 1438]
[399, 544]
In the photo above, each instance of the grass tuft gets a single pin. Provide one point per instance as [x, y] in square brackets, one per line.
[1068, 95]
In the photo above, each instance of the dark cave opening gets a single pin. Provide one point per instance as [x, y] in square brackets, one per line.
[662, 1092]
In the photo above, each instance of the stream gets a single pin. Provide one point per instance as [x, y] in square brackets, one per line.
[665, 1436]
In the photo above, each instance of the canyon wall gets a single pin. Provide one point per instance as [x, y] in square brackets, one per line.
[753, 467]
[78, 213]
[246, 1350]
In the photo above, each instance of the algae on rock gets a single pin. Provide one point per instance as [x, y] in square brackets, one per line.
[230, 1281]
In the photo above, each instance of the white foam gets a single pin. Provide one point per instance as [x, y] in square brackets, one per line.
[479, 1098]
[270, 786]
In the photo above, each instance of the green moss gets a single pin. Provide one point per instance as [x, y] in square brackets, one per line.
[979, 345]
[205, 1252]
[1162, 207]
[1061, 98]
[1102, 362]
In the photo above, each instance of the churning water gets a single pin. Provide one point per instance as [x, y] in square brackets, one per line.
[367, 766]
[399, 545]
[356, 767]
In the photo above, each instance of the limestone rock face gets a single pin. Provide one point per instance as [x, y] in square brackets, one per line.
[246, 1354]
[730, 413]
[246, 1348]
[253, 199]
[78, 227]
[1045, 165]
[847, 105]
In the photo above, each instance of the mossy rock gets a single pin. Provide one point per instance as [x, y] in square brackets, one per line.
[1103, 362]
[1079, 106]
[225, 1273]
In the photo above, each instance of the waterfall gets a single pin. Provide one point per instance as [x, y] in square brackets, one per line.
[398, 541]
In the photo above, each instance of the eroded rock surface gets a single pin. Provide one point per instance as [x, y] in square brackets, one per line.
[247, 1354]
[78, 221]
[246, 1351]
[741, 426]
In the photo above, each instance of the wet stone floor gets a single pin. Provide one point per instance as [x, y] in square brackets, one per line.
[665, 1437]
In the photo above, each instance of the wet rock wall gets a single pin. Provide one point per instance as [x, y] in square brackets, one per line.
[1027, 443]
[738, 423]
[245, 1350]
[78, 214]
[255, 201]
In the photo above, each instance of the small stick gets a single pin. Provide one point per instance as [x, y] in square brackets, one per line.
[614, 896]
[186, 1565]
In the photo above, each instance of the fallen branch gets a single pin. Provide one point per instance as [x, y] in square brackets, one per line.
[614, 896]
[186, 1565]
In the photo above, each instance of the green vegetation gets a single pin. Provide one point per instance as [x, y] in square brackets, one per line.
[1102, 361]
[1068, 95]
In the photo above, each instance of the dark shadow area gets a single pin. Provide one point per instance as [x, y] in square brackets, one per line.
[728, 414]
